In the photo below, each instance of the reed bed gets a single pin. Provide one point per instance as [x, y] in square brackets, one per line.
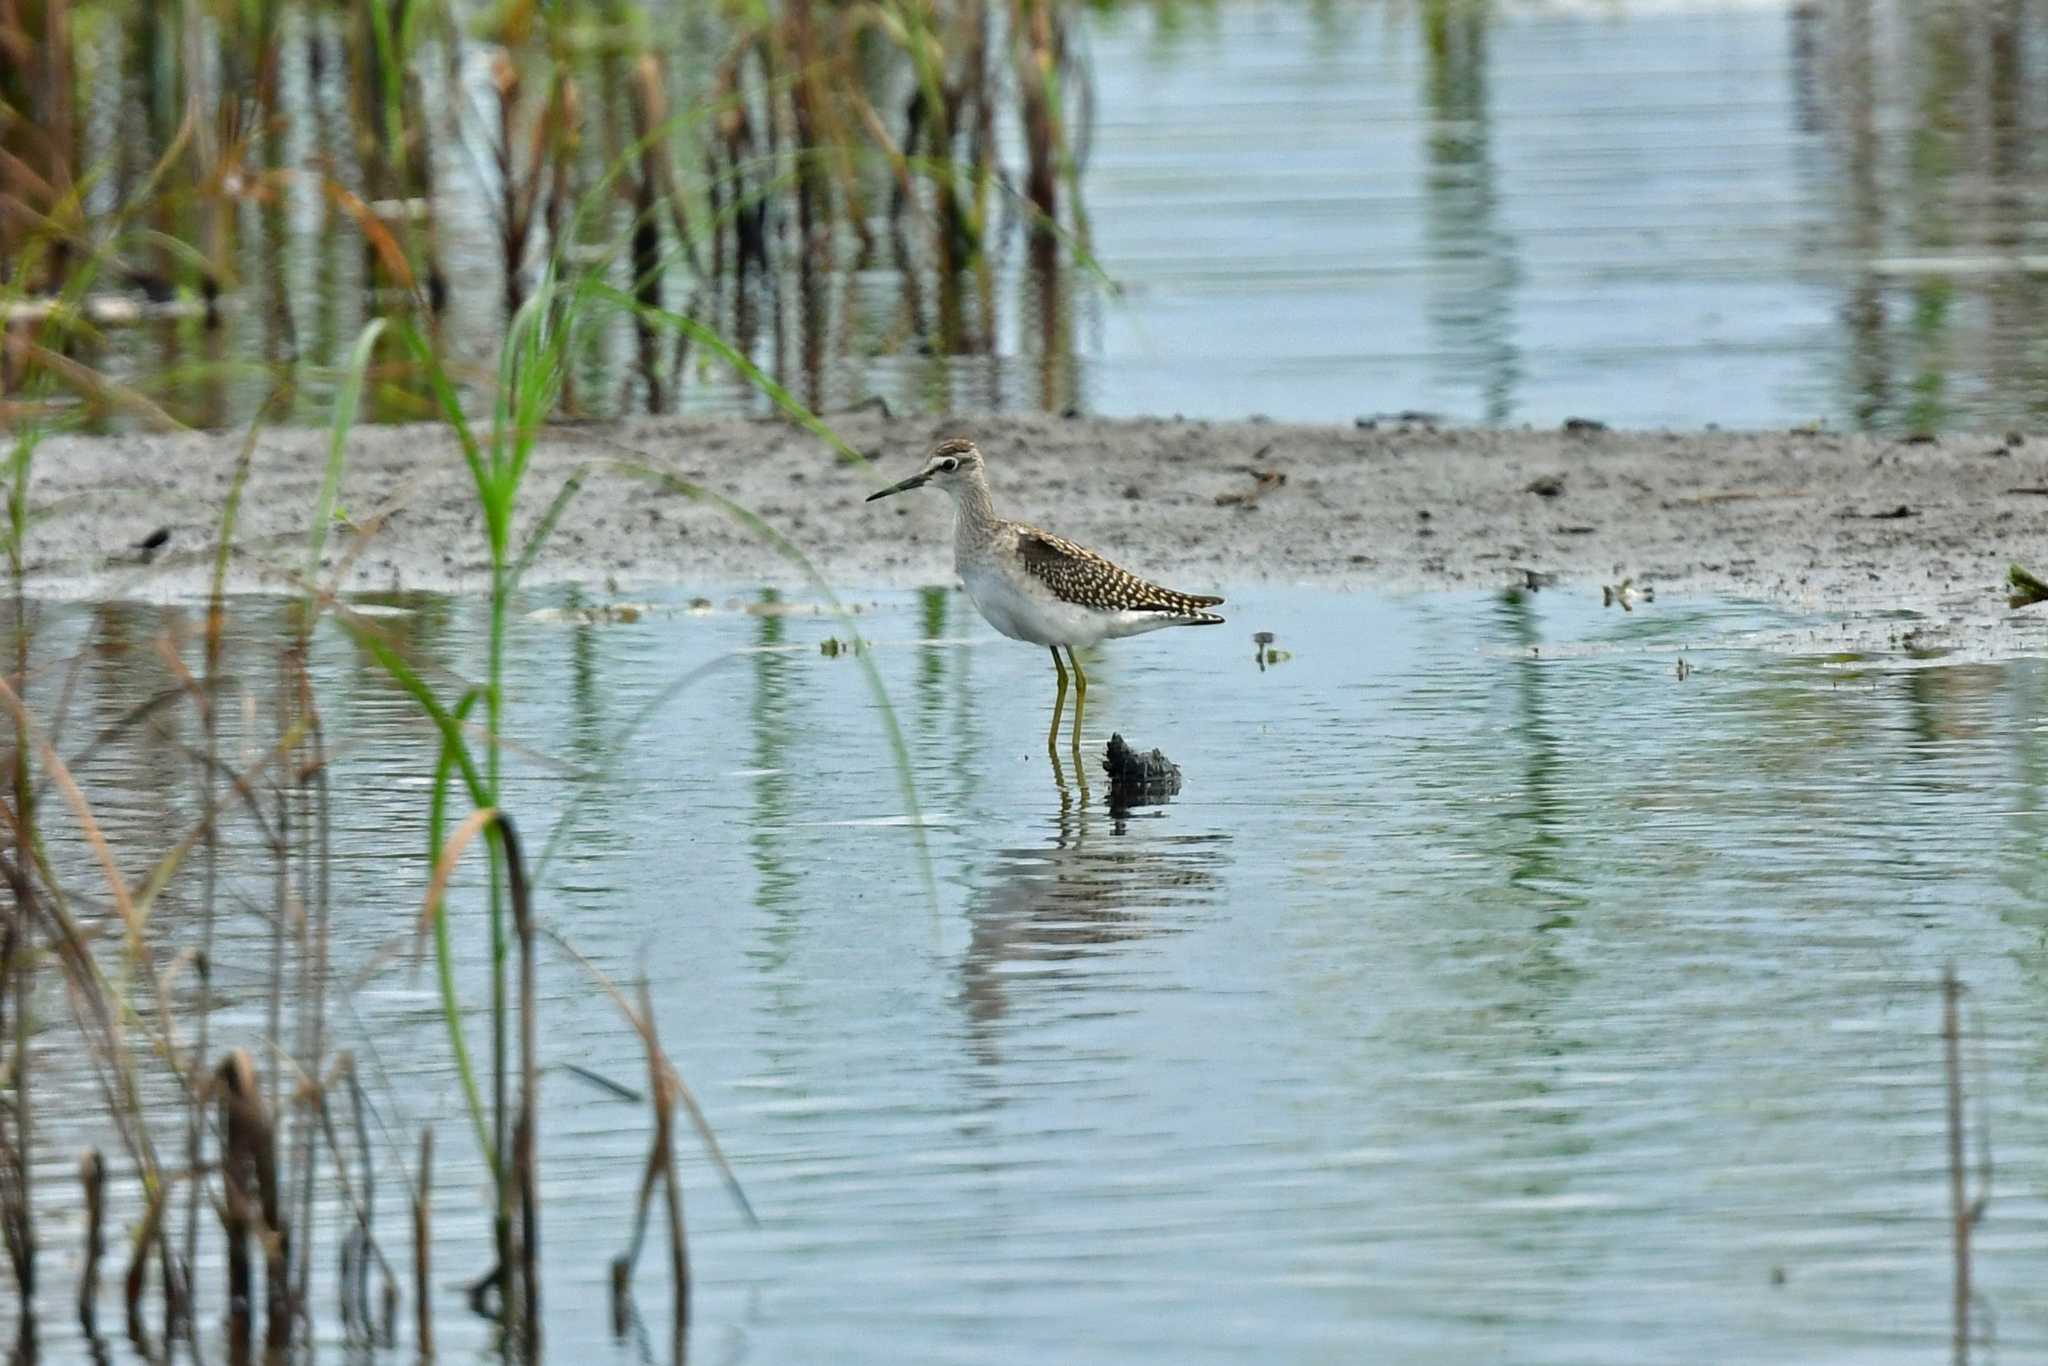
[201, 201]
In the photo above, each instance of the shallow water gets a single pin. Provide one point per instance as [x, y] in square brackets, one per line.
[1489, 992]
[1754, 213]
[1737, 212]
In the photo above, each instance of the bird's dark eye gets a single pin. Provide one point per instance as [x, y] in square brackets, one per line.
[949, 464]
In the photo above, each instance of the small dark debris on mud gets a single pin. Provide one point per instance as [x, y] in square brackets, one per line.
[149, 546]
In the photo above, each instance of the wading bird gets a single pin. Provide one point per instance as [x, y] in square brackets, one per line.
[1034, 586]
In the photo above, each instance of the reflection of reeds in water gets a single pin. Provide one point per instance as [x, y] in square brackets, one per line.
[1927, 114]
[1471, 311]
[770, 164]
[1093, 889]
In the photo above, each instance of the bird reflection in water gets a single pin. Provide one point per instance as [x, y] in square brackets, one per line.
[1050, 925]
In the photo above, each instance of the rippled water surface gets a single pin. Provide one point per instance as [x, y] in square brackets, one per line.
[1489, 993]
[1744, 213]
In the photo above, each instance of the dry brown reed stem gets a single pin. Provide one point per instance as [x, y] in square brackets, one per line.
[423, 1246]
[17, 1158]
[563, 149]
[117, 885]
[657, 116]
[735, 137]
[522, 178]
[360, 1250]
[105, 1044]
[309, 780]
[647, 105]
[38, 129]
[1032, 30]
[517, 1274]
[364, 1198]
[525, 1159]
[237, 1074]
[1959, 1204]
[16, 1229]
[137, 1279]
[664, 1090]
[250, 1203]
[206, 696]
[280, 918]
[809, 116]
[92, 1175]
[512, 225]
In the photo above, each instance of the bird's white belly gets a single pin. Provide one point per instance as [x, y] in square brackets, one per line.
[1027, 613]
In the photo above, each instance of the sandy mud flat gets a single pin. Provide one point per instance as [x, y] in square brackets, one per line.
[1861, 525]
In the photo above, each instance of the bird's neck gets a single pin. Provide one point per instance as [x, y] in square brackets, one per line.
[976, 512]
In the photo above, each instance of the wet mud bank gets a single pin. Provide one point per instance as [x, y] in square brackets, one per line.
[1809, 519]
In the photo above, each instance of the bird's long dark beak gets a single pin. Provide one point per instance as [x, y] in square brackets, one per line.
[914, 481]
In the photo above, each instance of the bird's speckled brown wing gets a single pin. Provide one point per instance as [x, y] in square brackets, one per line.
[1078, 575]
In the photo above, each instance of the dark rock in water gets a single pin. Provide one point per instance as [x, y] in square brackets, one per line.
[1139, 779]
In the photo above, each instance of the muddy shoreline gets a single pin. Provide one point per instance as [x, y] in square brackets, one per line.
[1812, 520]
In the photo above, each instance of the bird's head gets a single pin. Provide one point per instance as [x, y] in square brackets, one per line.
[951, 463]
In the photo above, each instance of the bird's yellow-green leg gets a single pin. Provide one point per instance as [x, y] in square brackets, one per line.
[1059, 704]
[1080, 696]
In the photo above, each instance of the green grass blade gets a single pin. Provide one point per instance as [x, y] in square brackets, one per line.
[444, 957]
[445, 395]
[415, 687]
[645, 713]
[346, 400]
[642, 466]
[19, 462]
[538, 537]
[535, 356]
